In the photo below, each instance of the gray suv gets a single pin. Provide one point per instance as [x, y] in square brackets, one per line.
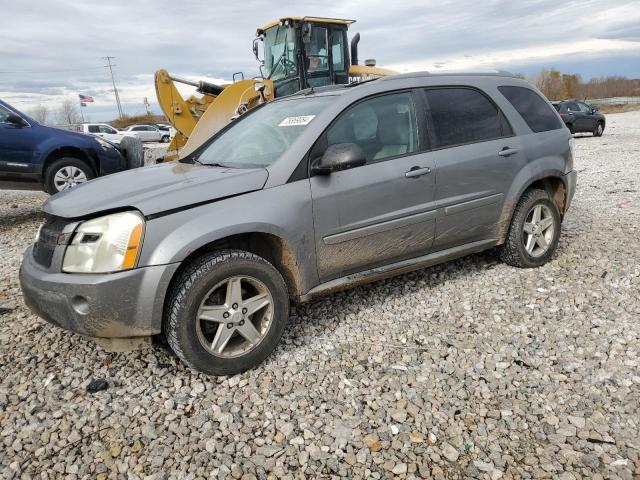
[307, 195]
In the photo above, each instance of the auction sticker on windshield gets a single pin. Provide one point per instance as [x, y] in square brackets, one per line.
[296, 121]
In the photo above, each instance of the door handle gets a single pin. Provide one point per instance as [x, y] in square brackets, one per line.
[506, 151]
[417, 172]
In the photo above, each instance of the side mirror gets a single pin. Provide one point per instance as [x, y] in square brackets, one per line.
[256, 51]
[16, 120]
[594, 109]
[338, 157]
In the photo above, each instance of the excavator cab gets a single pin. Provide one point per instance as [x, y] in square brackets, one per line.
[299, 53]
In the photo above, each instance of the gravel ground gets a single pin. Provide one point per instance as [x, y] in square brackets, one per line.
[471, 369]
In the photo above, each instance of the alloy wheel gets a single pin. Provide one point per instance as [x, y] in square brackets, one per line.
[538, 229]
[67, 177]
[234, 316]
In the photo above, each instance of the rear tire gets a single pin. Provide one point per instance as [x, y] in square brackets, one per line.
[65, 173]
[203, 306]
[570, 127]
[133, 151]
[599, 130]
[165, 139]
[530, 242]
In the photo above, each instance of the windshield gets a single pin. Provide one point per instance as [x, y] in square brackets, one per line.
[259, 139]
[279, 53]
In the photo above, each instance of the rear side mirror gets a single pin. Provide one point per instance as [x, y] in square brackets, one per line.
[16, 120]
[338, 157]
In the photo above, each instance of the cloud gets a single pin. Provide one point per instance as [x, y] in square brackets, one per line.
[58, 46]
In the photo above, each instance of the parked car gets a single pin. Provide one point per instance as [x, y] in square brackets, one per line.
[167, 130]
[148, 133]
[580, 117]
[101, 130]
[33, 156]
[300, 197]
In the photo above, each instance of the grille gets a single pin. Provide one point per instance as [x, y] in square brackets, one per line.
[48, 239]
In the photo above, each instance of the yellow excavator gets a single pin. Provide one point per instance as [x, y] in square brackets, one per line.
[297, 53]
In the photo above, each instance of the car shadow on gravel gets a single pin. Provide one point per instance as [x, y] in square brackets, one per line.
[11, 220]
[325, 314]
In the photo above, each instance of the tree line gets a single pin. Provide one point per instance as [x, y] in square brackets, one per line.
[558, 86]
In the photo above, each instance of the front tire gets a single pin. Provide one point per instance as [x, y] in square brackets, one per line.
[534, 231]
[65, 173]
[165, 139]
[599, 130]
[225, 312]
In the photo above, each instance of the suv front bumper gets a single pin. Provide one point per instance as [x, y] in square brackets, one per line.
[116, 305]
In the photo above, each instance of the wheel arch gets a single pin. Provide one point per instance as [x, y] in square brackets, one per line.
[269, 246]
[74, 152]
[552, 181]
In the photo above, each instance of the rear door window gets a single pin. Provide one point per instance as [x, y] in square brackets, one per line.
[463, 115]
[533, 109]
[94, 129]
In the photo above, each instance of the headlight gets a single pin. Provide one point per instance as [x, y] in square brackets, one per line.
[105, 244]
[103, 143]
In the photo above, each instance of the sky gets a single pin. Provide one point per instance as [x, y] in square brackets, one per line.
[52, 50]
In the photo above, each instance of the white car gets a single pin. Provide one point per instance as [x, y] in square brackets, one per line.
[101, 130]
[147, 133]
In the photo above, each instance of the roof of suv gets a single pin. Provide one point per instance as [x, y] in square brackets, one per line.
[340, 89]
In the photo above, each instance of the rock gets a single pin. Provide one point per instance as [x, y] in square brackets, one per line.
[400, 469]
[449, 452]
[373, 442]
[97, 385]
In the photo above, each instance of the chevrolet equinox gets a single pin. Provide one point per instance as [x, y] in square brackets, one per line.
[303, 196]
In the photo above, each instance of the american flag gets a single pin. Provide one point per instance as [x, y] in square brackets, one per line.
[85, 98]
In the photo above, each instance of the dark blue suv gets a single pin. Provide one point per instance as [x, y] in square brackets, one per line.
[33, 156]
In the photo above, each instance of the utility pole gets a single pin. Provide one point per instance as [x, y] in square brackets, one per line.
[108, 59]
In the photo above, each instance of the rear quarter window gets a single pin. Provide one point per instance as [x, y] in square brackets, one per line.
[533, 109]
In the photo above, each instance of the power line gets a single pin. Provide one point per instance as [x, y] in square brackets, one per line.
[108, 59]
[49, 71]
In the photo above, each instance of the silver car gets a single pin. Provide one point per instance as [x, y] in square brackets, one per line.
[148, 133]
[312, 193]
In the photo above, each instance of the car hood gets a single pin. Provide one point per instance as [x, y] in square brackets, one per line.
[156, 189]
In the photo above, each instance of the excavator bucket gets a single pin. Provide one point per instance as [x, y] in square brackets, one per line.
[235, 99]
[196, 119]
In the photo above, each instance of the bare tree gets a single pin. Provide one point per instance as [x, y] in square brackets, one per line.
[68, 112]
[40, 113]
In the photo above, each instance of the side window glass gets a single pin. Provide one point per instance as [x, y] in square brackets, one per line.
[383, 127]
[534, 110]
[462, 115]
[317, 51]
[4, 113]
[94, 129]
[583, 107]
[337, 51]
